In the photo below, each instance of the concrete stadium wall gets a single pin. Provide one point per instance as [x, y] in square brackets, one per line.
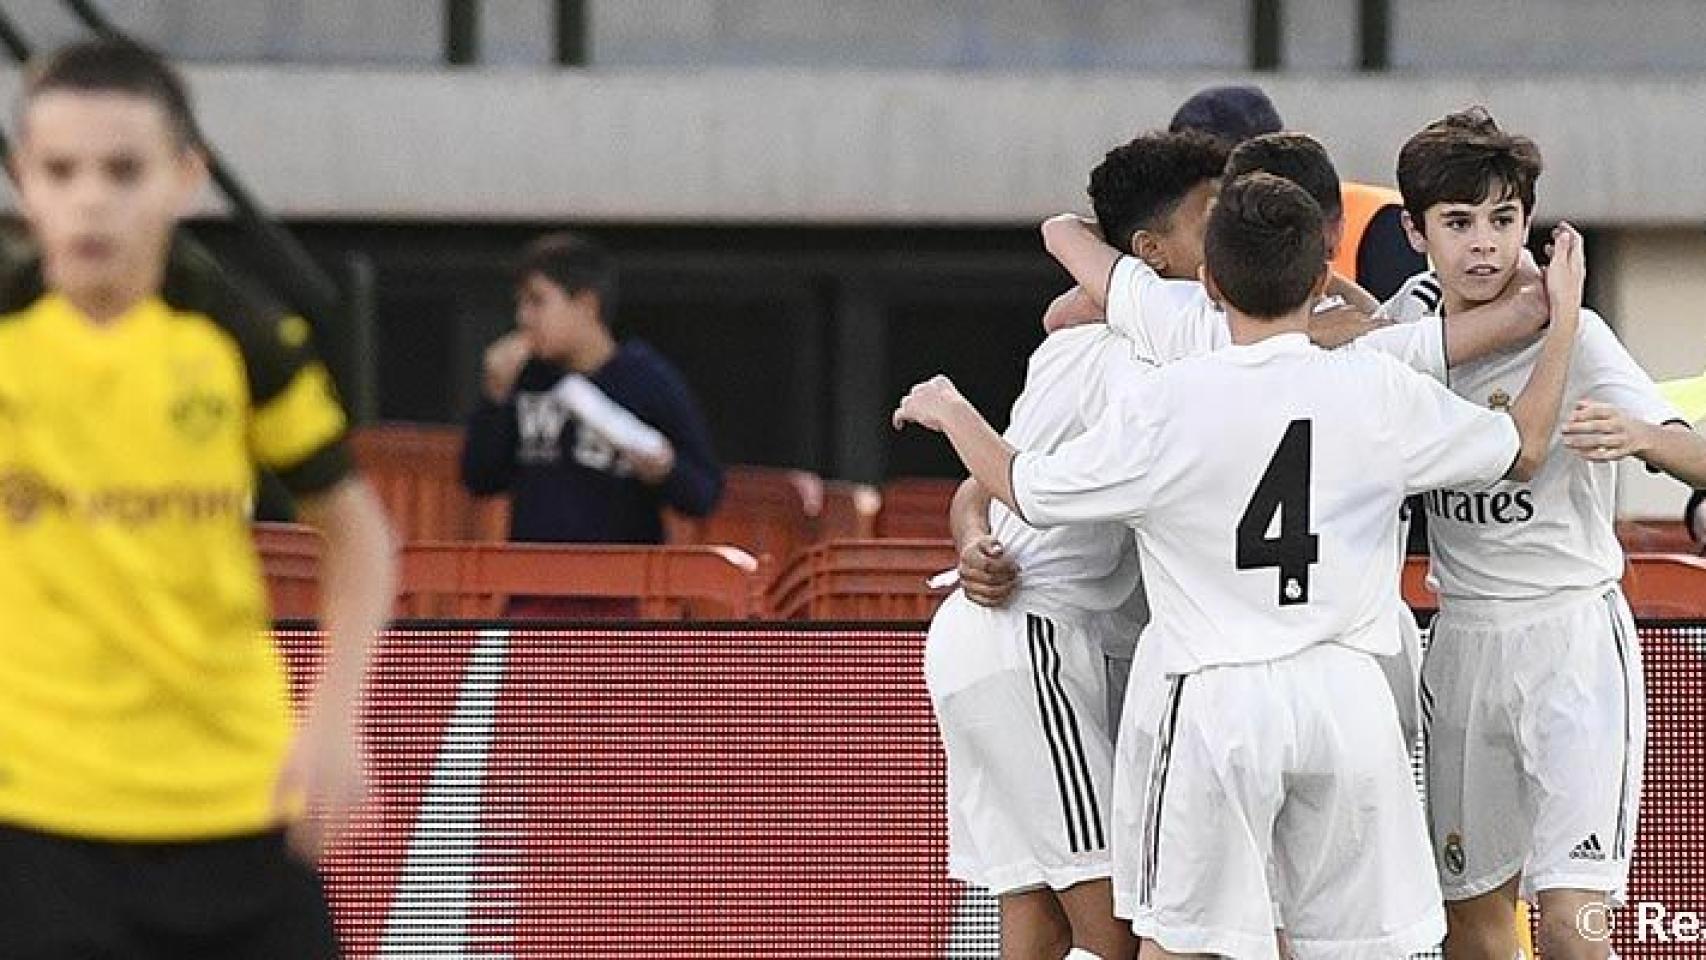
[1504, 36]
[850, 147]
[1656, 300]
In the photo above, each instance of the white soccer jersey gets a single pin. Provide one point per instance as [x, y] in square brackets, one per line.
[1168, 320]
[1418, 298]
[1555, 531]
[1084, 567]
[1263, 480]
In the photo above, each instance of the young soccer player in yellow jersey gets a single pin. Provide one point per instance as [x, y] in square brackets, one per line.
[152, 791]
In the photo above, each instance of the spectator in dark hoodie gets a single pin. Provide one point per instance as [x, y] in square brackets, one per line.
[583, 472]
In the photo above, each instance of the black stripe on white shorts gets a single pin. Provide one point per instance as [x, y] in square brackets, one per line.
[1079, 807]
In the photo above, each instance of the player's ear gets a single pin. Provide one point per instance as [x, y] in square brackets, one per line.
[1148, 249]
[191, 174]
[1335, 231]
[1208, 284]
[1418, 240]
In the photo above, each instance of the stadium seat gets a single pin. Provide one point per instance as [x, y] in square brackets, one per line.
[1658, 585]
[1654, 536]
[1666, 586]
[766, 511]
[290, 562]
[916, 507]
[416, 471]
[862, 580]
[850, 512]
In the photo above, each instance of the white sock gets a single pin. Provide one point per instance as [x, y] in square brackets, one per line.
[1079, 953]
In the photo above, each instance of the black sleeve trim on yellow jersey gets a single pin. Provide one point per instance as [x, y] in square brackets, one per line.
[323, 470]
[195, 283]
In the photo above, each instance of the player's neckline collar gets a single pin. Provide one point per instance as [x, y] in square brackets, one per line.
[136, 315]
[1289, 342]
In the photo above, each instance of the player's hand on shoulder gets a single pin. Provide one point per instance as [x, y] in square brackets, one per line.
[928, 404]
[1074, 308]
[1527, 293]
[1341, 325]
[1602, 433]
[504, 361]
[1567, 271]
[987, 575]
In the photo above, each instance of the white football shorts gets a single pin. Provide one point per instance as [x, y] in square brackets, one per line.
[1536, 739]
[1275, 794]
[1021, 702]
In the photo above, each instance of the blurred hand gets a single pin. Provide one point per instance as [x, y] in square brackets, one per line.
[1600, 432]
[323, 780]
[987, 575]
[504, 361]
[653, 468]
[927, 404]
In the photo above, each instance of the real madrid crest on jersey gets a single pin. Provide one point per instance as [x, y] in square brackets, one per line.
[1499, 400]
[1455, 861]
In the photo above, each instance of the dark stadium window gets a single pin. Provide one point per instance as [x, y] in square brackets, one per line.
[980, 338]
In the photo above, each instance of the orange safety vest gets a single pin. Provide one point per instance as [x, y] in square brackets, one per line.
[1361, 201]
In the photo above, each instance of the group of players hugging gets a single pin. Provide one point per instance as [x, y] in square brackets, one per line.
[1215, 446]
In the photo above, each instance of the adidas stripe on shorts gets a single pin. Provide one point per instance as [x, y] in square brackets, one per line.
[1536, 732]
[1021, 702]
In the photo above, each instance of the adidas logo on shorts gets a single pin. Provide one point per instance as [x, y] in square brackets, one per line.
[1588, 849]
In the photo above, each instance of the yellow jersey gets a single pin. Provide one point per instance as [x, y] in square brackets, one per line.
[141, 697]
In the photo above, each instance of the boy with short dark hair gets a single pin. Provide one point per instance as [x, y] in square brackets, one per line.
[1151, 197]
[149, 776]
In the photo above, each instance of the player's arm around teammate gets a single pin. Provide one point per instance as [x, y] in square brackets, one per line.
[937, 404]
[1514, 318]
[1601, 432]
[1536, 409]
[987, 575]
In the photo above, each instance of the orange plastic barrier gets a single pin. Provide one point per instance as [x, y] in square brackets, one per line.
[774, 513]
[850, 512]
[862, 580]
[1654, 536]
[764, 510]
[474, 580]
[416, 470]
[1658, 585]
[290, 562]
[916, 508]
[1666, 585]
